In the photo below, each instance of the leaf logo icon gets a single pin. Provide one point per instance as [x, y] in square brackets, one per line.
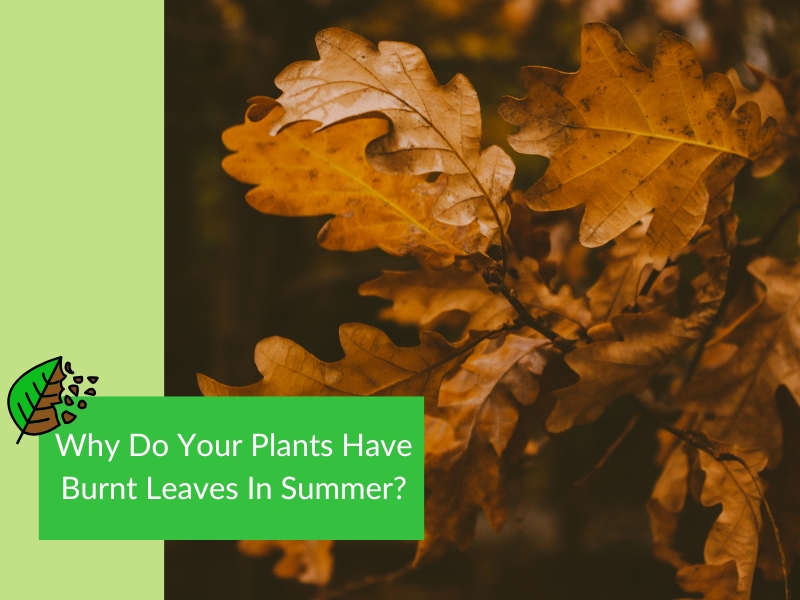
[32, 398]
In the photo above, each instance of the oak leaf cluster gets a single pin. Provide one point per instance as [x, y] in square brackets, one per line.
[368, 135]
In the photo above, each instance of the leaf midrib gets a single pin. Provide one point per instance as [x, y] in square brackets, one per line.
[654, 136]
[372, 191]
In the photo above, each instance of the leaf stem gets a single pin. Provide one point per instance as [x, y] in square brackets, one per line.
[495, 279]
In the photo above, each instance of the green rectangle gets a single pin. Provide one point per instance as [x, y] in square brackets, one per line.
[388, 511]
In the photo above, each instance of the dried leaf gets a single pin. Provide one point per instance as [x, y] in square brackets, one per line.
[645, 342]
[309, 562]
[772, 96]
[624, 139]
[734, 535]
[424, 296]
[733, 399]
[736, 401]
[465, 436]
[372, 365]
[469, 392]
[435, 128]
[301, 173]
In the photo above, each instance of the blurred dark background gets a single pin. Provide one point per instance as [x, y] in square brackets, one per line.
[235, 276]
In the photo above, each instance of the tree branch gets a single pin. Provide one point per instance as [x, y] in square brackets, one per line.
[495, 279]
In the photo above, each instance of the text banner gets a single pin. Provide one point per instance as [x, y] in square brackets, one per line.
[298, 468]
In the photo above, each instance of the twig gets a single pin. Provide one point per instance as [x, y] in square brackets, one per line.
[702, 442]
[741, 257]
[368, 581]
[610, 450]
[495, 279]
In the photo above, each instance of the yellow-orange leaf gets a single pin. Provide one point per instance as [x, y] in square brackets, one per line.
[624, 139]
[372, 365]
[300, 173]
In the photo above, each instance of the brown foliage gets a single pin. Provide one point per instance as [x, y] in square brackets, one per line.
[624, 139]
[369, 135]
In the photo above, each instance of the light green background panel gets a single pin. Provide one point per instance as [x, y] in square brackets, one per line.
[81, 253]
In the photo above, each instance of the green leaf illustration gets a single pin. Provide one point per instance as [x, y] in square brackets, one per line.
[31, 398]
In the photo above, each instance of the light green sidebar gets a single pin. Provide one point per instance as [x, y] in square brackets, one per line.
[81, 253]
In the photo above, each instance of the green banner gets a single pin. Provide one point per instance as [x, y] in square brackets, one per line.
[298, 468]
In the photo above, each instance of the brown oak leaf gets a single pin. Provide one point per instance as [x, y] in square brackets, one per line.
[734, 535]
[735, 402]
[467, 434]
[457, 493]
[624, 139]
[732, 398]
[468, 392]
[435, 128]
